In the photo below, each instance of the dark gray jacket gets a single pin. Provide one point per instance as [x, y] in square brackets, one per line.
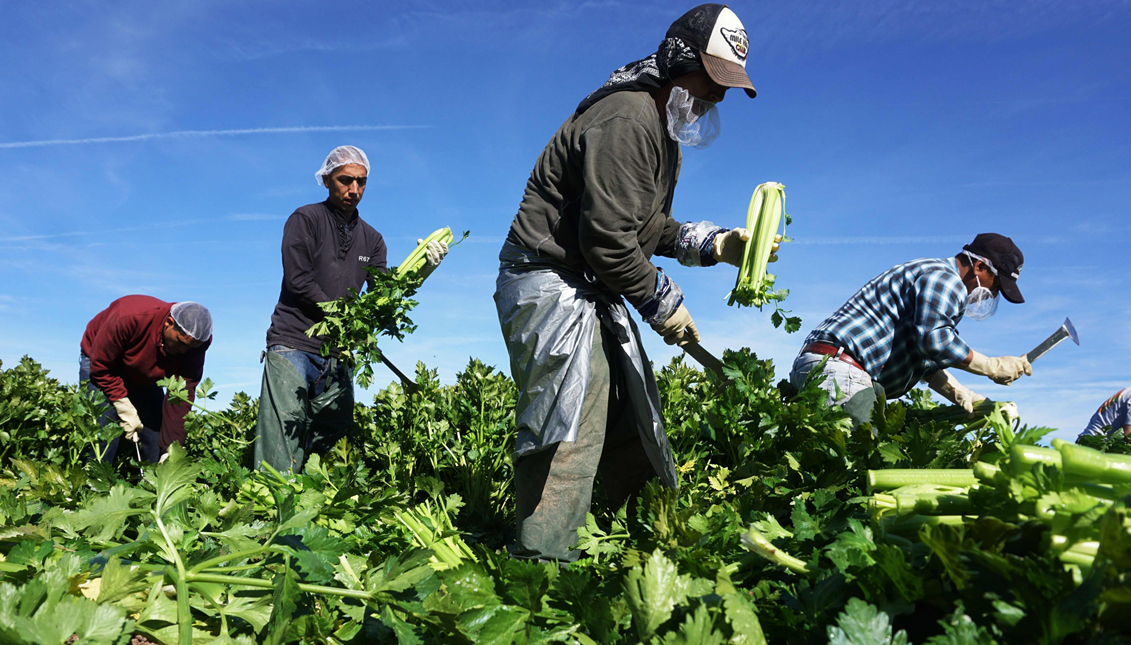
[325, 253]
[600, 195]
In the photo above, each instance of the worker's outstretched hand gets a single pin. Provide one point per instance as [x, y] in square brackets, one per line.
[435, 252]
[678, 329]
[728, 247]
[1002, 370]
[946, 385]
[128, 419]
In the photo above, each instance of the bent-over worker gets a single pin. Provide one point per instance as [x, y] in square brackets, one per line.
[1113, 417]
[901, 327]
[306, 402]
[130, 346]
[596, 208]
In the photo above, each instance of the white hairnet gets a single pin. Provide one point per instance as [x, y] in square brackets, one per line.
[339, 157]
[194, 319]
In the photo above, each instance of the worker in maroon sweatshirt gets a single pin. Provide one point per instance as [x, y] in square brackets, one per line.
[127, 348]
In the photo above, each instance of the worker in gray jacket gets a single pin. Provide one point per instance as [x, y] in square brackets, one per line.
[596, 208]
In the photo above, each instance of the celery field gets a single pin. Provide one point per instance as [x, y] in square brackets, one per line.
[786, 528]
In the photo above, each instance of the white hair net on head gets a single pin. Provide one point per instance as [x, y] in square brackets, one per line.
[193, 318]
[339, 157]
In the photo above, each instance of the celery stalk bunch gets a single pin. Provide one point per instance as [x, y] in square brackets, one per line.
[754, 286]
[418, 257]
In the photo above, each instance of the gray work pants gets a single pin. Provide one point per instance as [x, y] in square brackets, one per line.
[858, 392]
[554, 485]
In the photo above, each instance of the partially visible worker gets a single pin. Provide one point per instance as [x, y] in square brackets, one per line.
[130, 346]
[596, 208]
[901, 328]
[1113, 418]
[306, 403]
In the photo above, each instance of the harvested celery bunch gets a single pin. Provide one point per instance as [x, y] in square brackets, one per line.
[416, 260]
[755, 286]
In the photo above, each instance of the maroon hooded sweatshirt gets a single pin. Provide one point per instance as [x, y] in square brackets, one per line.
[124, 345]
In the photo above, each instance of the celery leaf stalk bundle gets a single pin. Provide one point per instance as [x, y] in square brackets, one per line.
[352, 323]
[754, 286]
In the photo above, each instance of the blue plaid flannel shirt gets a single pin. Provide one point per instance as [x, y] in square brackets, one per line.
[900, 326]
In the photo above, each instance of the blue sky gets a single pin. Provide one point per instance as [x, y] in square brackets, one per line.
[158, 147]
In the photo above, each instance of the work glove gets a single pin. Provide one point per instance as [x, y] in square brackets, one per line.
[163, 458]
[728, 247]
[1009, 411]
[434, 252]
[950, 389]
[1002, 370]
[678, 329]
[128, 419]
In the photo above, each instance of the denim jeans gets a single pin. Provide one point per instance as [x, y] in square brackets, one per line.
[148, 399]
[857, 391]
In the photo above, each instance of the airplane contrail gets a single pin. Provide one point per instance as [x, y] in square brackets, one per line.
[927, 239]
[189, 134]
[935, 239]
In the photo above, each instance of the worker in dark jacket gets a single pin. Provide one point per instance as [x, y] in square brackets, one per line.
[130, 346]
[307, 399]
[596, 208]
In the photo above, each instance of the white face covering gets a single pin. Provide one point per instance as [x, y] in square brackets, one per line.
[691, 121]
[981, 303]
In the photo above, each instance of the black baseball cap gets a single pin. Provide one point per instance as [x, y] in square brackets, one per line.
[718, 35]
[1005, 258]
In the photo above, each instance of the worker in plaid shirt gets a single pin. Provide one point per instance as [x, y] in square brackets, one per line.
[901, 328]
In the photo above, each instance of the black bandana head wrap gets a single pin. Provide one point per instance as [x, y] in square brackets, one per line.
[673, 59]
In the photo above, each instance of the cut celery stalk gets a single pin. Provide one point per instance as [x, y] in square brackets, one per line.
[888, 479]
[1087, 463]
[762, 220]
[415, 260]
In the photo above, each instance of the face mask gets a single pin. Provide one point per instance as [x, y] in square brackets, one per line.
[981, 303]
[691, 121]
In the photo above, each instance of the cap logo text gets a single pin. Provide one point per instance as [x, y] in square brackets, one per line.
[736, 38]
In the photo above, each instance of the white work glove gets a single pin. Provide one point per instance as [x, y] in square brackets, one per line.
[163, 458]
[728, 247]
[128, 419]
[950, 389]
[435, 251]
[1009, 411]
[678, 329]
[1002, 370]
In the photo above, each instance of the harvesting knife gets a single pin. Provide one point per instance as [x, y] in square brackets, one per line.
[410, 385]
[140, 469]
[705, 358]
[1066, 331]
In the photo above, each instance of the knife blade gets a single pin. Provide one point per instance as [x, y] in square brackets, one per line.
[1065, 331]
